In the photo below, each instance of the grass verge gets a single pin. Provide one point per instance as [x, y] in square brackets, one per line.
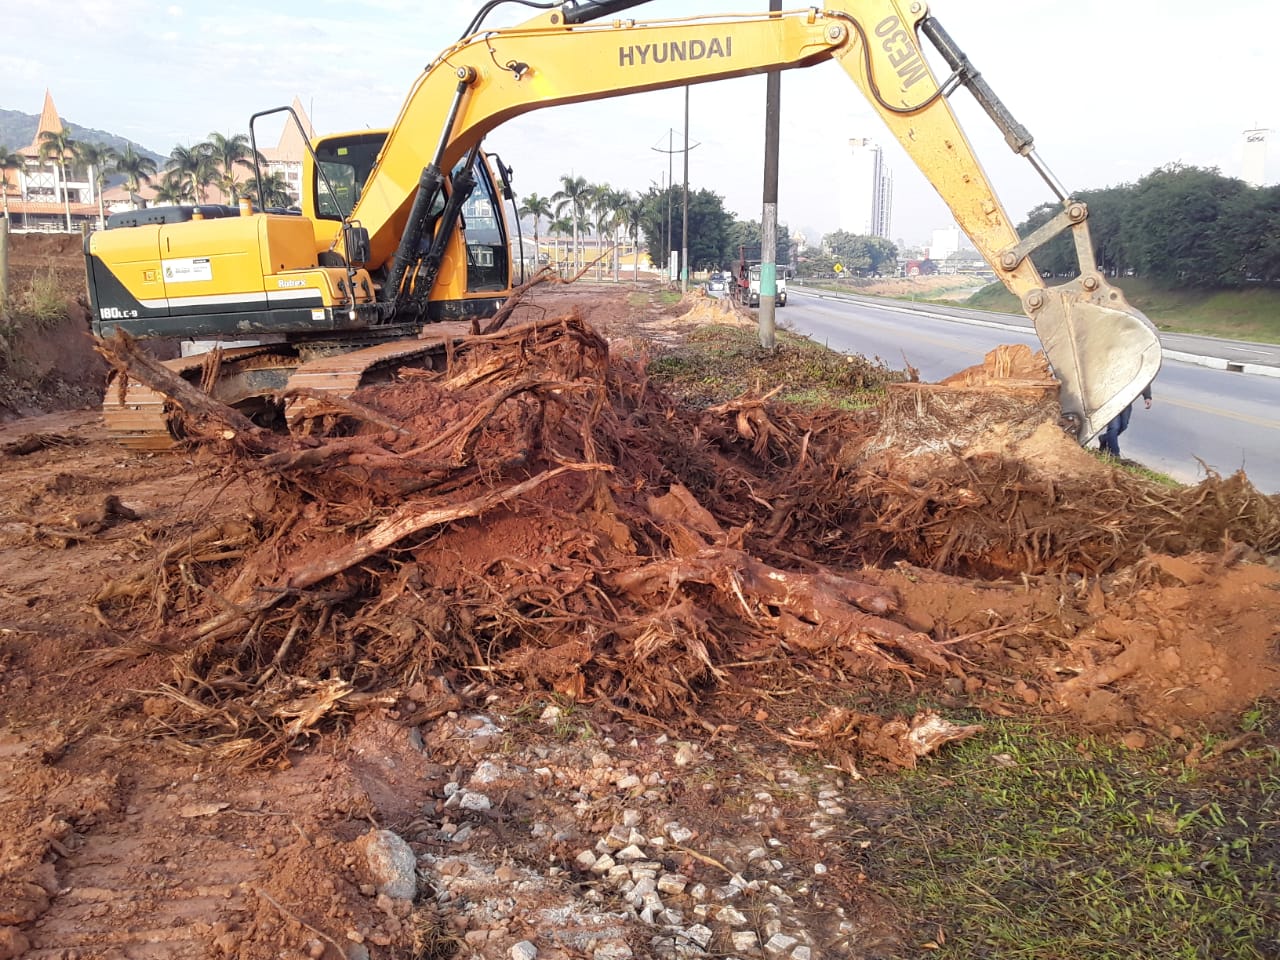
[1251, 314]
[1029, 842]
[718, 362]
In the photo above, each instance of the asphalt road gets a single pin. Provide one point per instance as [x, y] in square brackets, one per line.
[1216, 401]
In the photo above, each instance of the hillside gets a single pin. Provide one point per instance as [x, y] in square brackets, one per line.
[18, 129]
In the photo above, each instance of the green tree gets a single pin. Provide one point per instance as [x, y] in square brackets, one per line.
[275, 191]
[137, 169]
[194, 163]
[8, 161]
[174, 187]
[710, 227]
[536, 207]
[560, 227]
[100, 160]
[861, 255]
[747, 234]
[1255, 231]
[1180, 230]
[574, 195]
[226, 152]
[627, 212]
[57, 145]
[601, 203]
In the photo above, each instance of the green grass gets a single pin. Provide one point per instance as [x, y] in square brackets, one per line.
[35, 307]
[651, 298]
[1249, 314]
[719, 362]
[1137, 469]
[1028, 842]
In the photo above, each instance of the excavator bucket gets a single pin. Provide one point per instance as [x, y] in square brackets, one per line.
[1102, 350]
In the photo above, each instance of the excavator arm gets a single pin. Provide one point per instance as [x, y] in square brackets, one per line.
[1102, 350]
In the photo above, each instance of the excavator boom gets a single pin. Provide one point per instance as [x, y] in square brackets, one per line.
[404, 227]
[1102, 350]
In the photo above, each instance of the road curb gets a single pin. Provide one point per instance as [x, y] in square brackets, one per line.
[1218, 363]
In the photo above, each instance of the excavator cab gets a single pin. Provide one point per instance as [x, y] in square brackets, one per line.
[476, 259]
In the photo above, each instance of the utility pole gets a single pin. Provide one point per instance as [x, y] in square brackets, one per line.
[671, 185]
[769, 218]
[684, 242]
[671, 152]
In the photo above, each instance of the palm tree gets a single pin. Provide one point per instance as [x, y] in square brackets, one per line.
[573, 194]
[275, 190]
[137, 169]
[100, 159]
[630, 214]
[195, 162]
[174, 187]
[599, 194]
[8, 161]
[559, 228]
[536, 207]
[57, 145]
[226, 153]
[614, 202]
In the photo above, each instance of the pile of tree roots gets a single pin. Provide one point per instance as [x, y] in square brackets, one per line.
[540, 515]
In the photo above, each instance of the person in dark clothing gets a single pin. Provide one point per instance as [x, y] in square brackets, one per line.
[1109, 439]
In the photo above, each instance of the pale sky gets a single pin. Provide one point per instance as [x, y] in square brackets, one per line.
[1111, 89]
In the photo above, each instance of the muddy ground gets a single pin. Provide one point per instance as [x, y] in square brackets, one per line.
[591, 718]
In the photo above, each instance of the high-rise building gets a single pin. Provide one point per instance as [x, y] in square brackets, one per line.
[1253, 166]
[866, 191]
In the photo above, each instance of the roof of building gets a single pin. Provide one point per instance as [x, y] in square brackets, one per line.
[32, 208]
[118, 193]
[293, 145]
[50, 122]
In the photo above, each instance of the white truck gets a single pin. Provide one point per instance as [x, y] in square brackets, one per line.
[753, 286]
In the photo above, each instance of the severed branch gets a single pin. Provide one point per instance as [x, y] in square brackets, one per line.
[408, 519]
[413, 518]
[327, 403]
[499, 319]
[123, 353]
[818, 611]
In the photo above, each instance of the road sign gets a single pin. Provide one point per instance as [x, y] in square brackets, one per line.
[838, 268]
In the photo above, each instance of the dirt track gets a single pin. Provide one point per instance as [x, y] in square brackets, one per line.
[1048, 583]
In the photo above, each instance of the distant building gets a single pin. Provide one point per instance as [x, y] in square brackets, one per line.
[36, 194]
[1253, 166]
[866, 191]
[286, 158]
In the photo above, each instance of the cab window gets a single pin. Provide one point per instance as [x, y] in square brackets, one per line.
[347, 163]
[485, 235]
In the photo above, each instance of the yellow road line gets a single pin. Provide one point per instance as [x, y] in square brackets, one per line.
[1228, 414]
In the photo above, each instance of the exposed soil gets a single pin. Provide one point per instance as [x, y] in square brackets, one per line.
[602, 607]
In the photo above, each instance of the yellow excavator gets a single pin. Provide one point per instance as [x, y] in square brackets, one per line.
[406, 227]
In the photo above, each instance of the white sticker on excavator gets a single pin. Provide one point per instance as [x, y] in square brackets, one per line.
[190, 270]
